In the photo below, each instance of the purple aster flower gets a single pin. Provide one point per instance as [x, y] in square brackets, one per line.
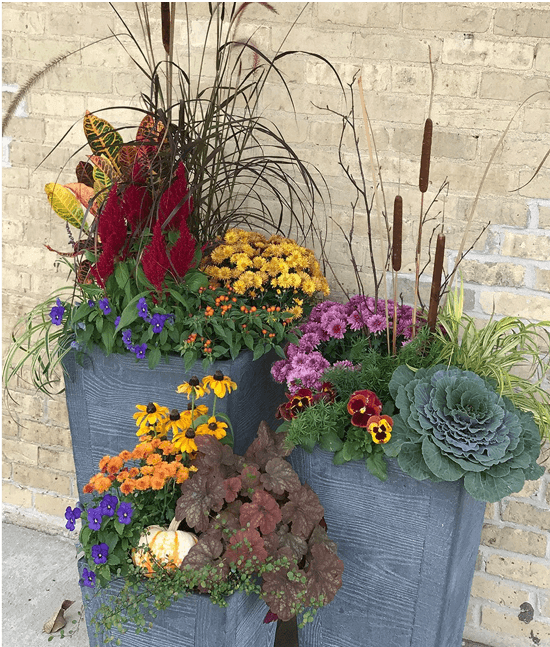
[125, 512]
[95, 518]
[99, 553]
[108, 505]
[104, 305]
[56, 313]
[117, 321]
[88, 578]
[139, 350]
[355, 320]
[143, 310]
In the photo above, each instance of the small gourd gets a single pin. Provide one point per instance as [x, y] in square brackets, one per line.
[167, 547]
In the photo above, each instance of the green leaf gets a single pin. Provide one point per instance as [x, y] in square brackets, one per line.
[249, 340]
[80, 312]
[410, 460]
[259, 350]
[442, 466]
[122, 275]
[377, 466]
[485, 487]
[352, 451]
[180, 298]
[154, 357]
[130, 312]
[330, 442]
[308, 444]
[189, 358]
[195, 279]
[338, 458]
[108, 338]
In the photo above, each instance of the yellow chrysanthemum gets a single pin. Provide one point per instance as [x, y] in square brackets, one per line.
[232, 236]
[220, 383]
[221, 252]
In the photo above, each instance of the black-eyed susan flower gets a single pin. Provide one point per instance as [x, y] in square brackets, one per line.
[150, 414]
[213, 428]
[194, 387]
[176, 422]
[185, 442]
[219, 383]
[380, 428]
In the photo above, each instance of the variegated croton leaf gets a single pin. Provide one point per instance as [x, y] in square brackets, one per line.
[103, 139]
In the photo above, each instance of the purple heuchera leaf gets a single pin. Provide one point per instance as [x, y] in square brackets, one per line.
[303, 511]
[281, 594]
[263, 513]
[201, 495]
[279, 477]
[324, 575]
[267, 445]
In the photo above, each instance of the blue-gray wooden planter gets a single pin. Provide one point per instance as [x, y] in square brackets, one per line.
[102, 395]
[192, 621]
[409, 550]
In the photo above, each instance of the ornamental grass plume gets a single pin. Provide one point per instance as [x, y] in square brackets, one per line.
[142, 209]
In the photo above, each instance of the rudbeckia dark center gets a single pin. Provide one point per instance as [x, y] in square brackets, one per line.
[218, 375]
[174, 414]
[213, 426]
[151, 407]
[190, 433]
[194, 381]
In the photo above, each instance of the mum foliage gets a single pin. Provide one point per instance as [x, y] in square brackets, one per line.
[453, 424]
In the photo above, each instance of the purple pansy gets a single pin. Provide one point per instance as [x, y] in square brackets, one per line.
[104, 305]
[88, 578]
[117, 321]
[143, 310]
[95, 517]
[56, 313]
[91, 303]
[108, 505]
[139, 350]
[125, 512]
[71, 516]
[100, 553]
[127, 338]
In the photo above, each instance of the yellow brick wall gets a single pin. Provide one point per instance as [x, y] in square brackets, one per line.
[487, 58]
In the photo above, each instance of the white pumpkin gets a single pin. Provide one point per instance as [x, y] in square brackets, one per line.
[167, 546]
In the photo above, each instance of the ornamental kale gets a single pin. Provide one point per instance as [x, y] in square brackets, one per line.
[452, 423]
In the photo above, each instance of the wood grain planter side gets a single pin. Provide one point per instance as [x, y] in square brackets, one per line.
[102, 395]
[409, 550]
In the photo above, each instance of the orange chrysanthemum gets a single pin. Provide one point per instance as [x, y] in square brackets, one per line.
[114, 465]
[125, 455]
[128, 486]
[143, 483]
[154, 459]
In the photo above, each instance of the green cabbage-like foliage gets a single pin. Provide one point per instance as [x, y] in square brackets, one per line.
[453, 424]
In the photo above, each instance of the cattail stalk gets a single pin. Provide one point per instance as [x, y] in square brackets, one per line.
[397, 244]
[423, 182]
[436, 282]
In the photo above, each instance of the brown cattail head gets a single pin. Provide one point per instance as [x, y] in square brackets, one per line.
[436, 281]
[397, 233]
[426, 154]
[165, 25]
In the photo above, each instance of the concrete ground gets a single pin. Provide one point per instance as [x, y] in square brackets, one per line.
[39, 572]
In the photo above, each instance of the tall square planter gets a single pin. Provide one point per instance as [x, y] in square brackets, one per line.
[409, 550]
[102, 394]
[192, 621]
